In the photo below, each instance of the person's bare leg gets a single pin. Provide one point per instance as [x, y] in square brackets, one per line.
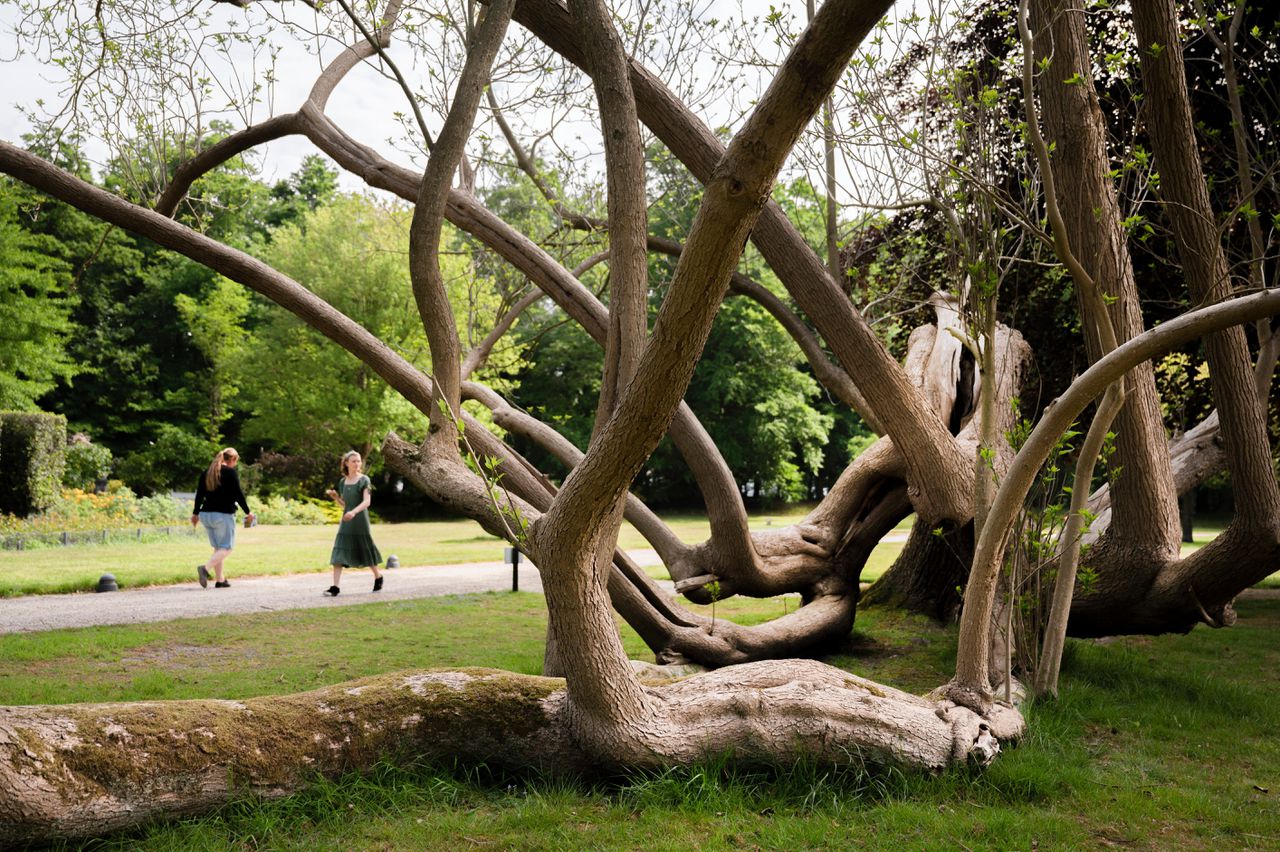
[337, 575]
[215, 564]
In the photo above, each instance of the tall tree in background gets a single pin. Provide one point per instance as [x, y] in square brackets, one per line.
[216, 324]
[306, 397]
[35, 309]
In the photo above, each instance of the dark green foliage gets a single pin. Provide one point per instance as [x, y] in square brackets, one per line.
[32, 457]
[758, 408]
[313, 184]
[34, 311]
[1040, 302]
[174, 458]
[560, 386]
[128, 346]
[132, 364]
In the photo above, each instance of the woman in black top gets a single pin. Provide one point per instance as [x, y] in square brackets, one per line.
[217, 495]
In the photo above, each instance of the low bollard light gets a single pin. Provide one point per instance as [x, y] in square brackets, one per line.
[393, 561]
[107, 583]
[512, 555]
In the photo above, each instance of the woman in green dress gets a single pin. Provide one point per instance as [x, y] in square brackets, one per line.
[354, 545]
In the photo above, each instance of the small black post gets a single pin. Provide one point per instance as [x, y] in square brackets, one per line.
[512, 555]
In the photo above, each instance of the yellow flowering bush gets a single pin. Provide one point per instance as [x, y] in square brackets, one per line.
[118, 508]
[76, 509]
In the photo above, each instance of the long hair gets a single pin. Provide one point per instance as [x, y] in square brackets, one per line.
[213, 476]
[345, 458]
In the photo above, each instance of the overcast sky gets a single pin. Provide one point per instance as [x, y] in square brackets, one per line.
[363, 105]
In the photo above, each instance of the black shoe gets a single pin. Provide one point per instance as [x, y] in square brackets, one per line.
[332, 591]
[377, 584]
[203, 574]
[222, 584]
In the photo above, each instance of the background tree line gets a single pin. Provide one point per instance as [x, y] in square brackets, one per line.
[155, 361]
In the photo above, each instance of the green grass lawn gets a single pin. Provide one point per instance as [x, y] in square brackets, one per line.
[259, 551]
[267, 550]
[1156, 743]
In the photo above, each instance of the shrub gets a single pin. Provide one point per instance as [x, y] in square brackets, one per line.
[281, 473]
[32, 458]
[76, 510]
[174, 459]
[282, 510]
[87, 463]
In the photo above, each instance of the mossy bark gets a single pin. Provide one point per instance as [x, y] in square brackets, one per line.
[83, 770]
[90, 769]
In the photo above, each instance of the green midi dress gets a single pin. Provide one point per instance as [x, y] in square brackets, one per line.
[354, 545]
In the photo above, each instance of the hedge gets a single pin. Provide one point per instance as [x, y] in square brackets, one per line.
[33, 450]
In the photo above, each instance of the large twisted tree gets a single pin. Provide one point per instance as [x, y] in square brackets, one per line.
[943, 455]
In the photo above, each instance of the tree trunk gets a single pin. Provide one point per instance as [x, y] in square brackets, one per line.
[929, 573]
[927, 576]
[86, 770]
[1145, 510]
[1187, 516]
[1143, 590]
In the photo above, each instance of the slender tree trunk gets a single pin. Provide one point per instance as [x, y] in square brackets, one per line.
[1145, 518]
[1182, 186]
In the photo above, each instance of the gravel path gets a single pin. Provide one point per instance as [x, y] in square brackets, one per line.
[266, 594]
[261, 594]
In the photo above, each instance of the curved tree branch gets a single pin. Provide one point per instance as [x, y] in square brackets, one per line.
[217, 154]
[939, 468]
[1057, 418]
[428, 213]
[1112, 400]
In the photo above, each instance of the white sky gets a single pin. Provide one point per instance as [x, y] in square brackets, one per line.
[363, 105]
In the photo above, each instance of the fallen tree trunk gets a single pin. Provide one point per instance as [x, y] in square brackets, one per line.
[84, 770]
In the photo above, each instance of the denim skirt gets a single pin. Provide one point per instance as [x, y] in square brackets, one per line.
[221, 529]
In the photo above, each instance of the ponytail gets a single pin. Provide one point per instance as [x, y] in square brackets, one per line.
[213, 476]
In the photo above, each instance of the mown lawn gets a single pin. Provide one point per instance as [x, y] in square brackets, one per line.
[1156, 743]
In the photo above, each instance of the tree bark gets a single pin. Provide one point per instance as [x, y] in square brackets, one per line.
[1182, 186]
[86, 770]
[970, 685]
[1144, 523]
[429, 291]
[940, 469]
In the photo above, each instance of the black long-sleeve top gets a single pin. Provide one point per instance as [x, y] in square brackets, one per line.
[223, 498]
